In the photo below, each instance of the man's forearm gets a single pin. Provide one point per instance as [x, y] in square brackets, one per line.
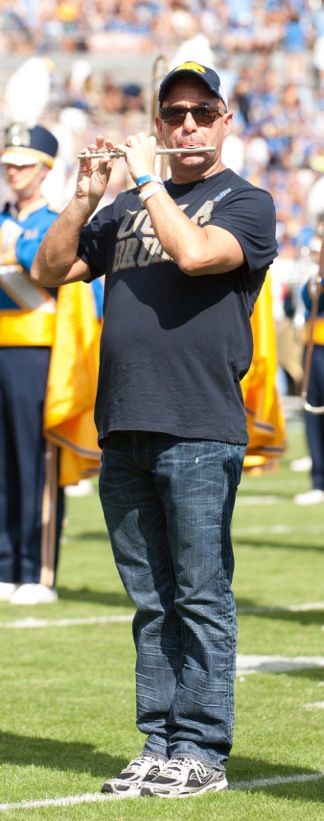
[57, 252]
[196, 249]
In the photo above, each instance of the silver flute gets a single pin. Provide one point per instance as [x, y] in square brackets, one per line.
[114, 152]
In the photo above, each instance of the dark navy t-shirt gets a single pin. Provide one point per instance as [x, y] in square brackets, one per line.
[174, 348]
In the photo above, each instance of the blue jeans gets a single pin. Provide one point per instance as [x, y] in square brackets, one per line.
[168, 505]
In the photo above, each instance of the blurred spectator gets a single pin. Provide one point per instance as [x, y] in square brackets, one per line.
[313, 298]
[15, 36]
[123, 29]
[111, 98]
[133, 98]
[294, 44]
[81, 87]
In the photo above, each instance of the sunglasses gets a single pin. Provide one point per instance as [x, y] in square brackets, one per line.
[202, 114]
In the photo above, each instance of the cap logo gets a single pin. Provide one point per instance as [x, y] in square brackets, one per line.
[192, 67]
[18, 135]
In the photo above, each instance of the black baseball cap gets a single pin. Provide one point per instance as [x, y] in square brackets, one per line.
[192, 69]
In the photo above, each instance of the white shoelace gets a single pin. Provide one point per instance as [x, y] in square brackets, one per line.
[137, 763]
[176, 767]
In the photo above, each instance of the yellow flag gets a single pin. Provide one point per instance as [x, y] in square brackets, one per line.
[265, 421]
[72, 384]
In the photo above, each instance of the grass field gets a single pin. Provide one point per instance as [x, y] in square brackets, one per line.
[67, 715]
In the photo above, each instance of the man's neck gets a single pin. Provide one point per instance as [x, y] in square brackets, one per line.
[24, 200]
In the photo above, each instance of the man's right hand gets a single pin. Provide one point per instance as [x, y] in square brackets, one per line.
[93, 174]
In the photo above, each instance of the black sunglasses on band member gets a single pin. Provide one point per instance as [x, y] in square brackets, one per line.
[202, 114]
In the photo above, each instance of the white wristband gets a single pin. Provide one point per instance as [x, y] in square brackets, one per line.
[153, 189]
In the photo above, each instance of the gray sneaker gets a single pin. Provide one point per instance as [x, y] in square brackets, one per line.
[129, 781]
[181, 777]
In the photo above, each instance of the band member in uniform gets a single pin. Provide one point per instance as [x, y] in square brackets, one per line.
[31, 503]
[312, 294]
[185, 260]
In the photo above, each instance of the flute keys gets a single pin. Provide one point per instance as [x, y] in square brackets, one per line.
[90, 154]
[96, 153]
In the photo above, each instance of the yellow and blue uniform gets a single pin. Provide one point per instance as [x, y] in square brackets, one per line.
[31, 501]
[314, 335]
[27, 312]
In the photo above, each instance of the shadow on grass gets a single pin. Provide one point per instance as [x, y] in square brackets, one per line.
[263, 543]
[85, 594]
[255, 773]
[87, 535]
[24, 751]
[314, 673]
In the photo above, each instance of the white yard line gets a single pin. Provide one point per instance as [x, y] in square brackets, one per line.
[32, 623]
[314, 705]
[245, 665]
[291, 608]
[276, 781]
[256, 530]
[92, 798]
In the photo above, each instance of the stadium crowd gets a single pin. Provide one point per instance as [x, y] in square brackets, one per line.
[239, 25]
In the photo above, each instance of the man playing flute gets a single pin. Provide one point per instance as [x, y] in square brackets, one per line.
[185, 260]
